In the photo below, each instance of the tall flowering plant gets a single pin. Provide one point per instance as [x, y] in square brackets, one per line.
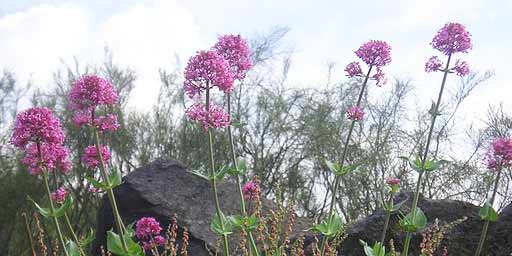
[498, 157]
[205, 71]
[451, 39]
[89, 96]
[235, 50]
[39, 134]
[375, 54]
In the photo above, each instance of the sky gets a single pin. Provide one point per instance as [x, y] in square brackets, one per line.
[37, 37]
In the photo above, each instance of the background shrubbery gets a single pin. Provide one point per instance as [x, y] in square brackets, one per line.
[284, 132]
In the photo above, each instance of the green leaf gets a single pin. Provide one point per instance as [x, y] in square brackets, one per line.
[72, 248]
[397, 206]
[488, 213]
[46, 212]
[221, 226]
[431, 165]
[87, 239]
[333, 167]
[413, 223]
[61, 210]
[236, 221]
[252, 223]
[114, 245]
[329, 229]
[115, 178]
[97, 184]
[415, 162]
[377, 250]
[432, 111]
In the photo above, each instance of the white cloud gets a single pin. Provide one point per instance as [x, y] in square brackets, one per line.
[145, 37]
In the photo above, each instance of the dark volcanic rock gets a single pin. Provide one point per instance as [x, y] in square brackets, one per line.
[164, 188]
[461, 240]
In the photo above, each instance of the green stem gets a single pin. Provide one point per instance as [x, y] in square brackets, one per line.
[254, 248]
[386, 222]
[49, 194]
[70, 227]
[486, 224]
[343, 156]
[52, 212]
[110, 192]
[425, 154]
[213, 179]
[29, 233]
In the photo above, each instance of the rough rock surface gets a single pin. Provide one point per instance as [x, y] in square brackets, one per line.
[164, 188]
[461, 240]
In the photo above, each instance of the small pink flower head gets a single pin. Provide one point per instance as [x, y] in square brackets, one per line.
[375, 53]
[353, 69]
[500, 154]
[91, 91]
[355, 113]
[393, 181]
[452, 38]
[433, 64]
[461, 68]
[236, 51]
[59, 195]
[106, 123]
[154, 243]
[147, 227]
[102, 123]
[215, 118]
[36, 124]
[53, 156]
[206, 70]
[379, 77]
[90, 157]
[250, 190]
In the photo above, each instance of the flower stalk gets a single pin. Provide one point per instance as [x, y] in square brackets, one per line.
[213, 179]
[110, 192]
[252, 243]
[343, 156]
[425, 153]
[52, 206]
[486, 224]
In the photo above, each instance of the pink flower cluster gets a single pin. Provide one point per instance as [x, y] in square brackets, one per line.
[452, 38]
[433, 64]
[499, 154]
[236, 51]
[353, 69]
[90, 157]
[375, 53]
[39, 133]
[36, 125]
[148, 229]
[355, 113]
[250, 190]
[393, 181]
[206, 70]
[48, 156]
[216, 117]
[461, 68]
[90, 92]
[102, 123]
[59, 195]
